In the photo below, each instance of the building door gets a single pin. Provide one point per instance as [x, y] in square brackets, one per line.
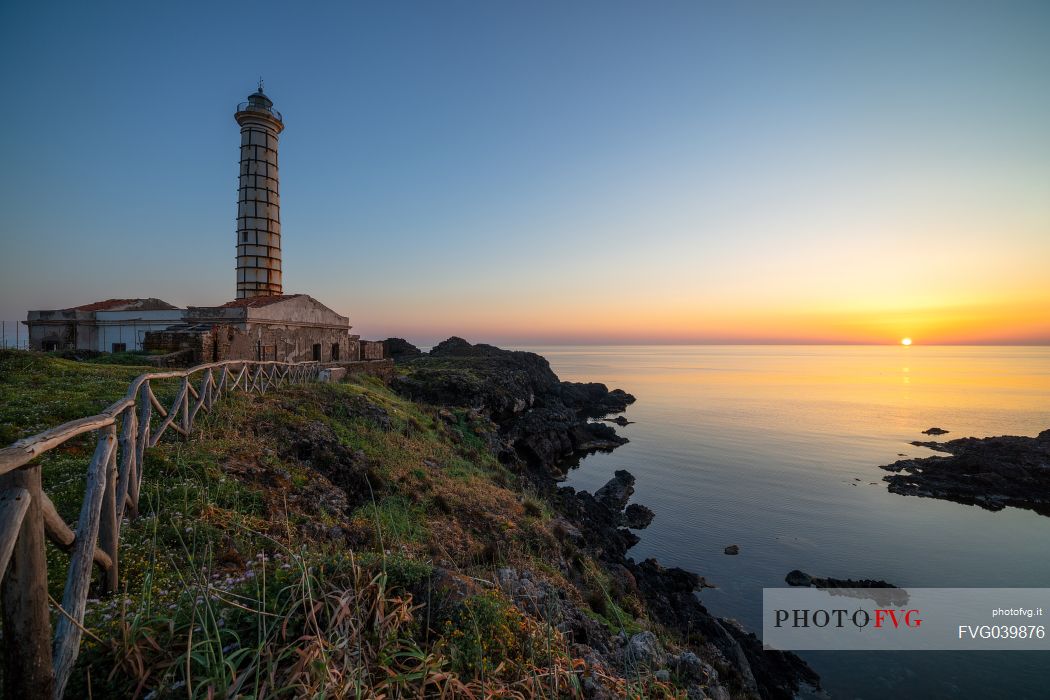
[317, 352]
[335, 352]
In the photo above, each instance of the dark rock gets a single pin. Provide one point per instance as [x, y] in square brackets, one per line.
[935, 431]
[617, 491]
[540, 419]
[992, 472]
[400, 350]
[877, 590]
[594, 399]
[691, 669]
[544, 601]
[733, 549]
[638, 517]
[620, 421]
[316, 445]
[598, 522]
[540, 423]
[668, 594]
[801, 578]
[642, 652]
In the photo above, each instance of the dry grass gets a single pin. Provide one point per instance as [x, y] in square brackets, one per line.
[230, 587]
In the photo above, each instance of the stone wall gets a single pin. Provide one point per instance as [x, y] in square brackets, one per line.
[273, 341]
[197, 342]
[259, 342]
[377, 368]
[373, 350]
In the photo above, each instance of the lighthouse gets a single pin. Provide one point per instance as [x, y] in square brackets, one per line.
[258, 199]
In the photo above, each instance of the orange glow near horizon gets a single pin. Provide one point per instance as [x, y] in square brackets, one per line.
[946, 290]
[637, 320]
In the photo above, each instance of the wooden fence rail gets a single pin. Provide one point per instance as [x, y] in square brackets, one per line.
[37, 664]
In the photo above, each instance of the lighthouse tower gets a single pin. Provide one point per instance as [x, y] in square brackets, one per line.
[258, 198]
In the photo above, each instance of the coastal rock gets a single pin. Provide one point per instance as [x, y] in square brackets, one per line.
[689, 667]
[620, 421]
[991, 473]
[617, 491]
[316, 445]
[542, 419]
[732, 549]
[638, 517]
[599, 524]
[935, 431]
[668, 594]
[545, 423]
[877, 590]
[594, 399]
[801, 578]
[400, 350]
[544, 601]
[643, 652]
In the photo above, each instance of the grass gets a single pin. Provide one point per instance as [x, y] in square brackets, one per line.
[232, 583]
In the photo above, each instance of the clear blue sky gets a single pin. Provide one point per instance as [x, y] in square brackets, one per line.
[544, 170]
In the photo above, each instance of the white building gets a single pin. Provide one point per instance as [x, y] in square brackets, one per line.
[114, 325]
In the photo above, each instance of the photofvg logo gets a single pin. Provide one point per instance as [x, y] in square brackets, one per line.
[905, 619]
[839, 617]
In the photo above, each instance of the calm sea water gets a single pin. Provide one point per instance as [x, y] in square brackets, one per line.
[778, 449]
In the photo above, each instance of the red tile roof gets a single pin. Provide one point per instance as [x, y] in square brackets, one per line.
[256, 302]
[148, 304]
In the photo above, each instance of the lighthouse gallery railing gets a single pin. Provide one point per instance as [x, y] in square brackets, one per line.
[35, 659]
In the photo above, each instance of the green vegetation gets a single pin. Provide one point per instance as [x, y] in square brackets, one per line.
[292, 548]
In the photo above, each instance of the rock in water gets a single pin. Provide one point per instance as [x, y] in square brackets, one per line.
[638, 517]
[935, 431]
[617, 492]
[801, 578]
[733, 549]
[881, 592]
[620, 420]
[992, 472]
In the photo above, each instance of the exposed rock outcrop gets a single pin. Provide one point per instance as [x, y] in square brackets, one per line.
[542, 419]
[543, 422]
[669, 597]
[881, 592]
[638, 517]
[992, 472]
[801, 578]
[400, 350]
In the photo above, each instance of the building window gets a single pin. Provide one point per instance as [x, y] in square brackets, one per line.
[49, 345]
[317, 352]
[120, 347]
[335, 352]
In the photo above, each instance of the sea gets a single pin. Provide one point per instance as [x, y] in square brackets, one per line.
[777, 449]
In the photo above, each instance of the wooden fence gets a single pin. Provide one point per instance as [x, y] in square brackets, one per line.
[37, 663]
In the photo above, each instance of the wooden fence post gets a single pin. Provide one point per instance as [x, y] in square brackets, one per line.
[145, 411]
[35, 665]
[185, 406]
[26, 619]
[109, 524]
[128, 452]
[68, 630]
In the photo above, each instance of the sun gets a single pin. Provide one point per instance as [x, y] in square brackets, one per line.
[905, 341]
